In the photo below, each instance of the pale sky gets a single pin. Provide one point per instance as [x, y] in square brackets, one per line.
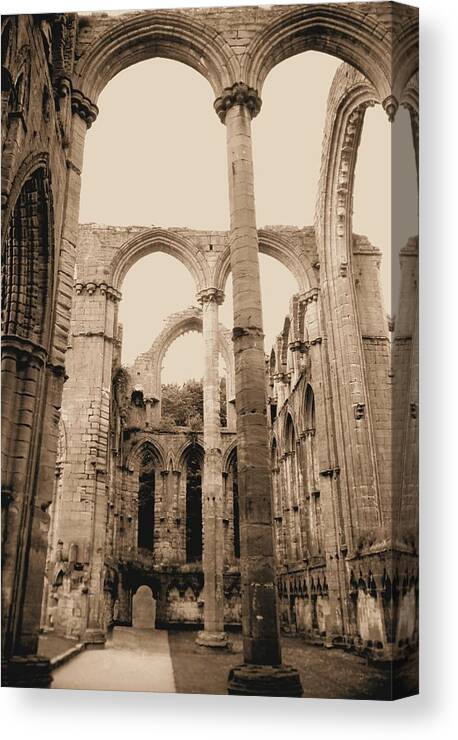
[157, 156]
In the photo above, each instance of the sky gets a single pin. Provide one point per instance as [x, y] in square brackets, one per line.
[157, 156]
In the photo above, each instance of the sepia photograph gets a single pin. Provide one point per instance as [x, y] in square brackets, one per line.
[210, 394]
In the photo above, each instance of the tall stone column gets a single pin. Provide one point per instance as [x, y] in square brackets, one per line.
[262, 672]
[212, 499]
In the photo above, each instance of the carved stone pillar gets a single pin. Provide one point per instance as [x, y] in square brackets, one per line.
[262, 672]
[212, 495]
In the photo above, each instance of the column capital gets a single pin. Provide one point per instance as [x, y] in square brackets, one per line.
[84, 108]
[238, 94]
[209, 295]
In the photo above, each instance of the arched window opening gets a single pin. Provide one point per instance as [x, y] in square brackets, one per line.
[235, 503]
[26, 260]
[193, 506]
[146, 510]
[273, 397]
[311, 472]
[277, 495]
[20, 92]
[293, 486]
[290, 436]
[310, 409]
[146, 500]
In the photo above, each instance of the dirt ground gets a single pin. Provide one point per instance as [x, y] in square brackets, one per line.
[332, 674]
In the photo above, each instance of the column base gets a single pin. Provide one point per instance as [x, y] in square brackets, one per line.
[94, 639]
[27, 672]
[215, 640]
[264, 680]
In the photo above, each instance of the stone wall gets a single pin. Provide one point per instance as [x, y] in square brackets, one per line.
[54, 67]
[340, 582]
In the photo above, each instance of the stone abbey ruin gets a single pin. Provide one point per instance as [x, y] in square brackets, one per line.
[298, 516]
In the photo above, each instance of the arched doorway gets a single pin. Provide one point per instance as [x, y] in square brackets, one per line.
[143, 609]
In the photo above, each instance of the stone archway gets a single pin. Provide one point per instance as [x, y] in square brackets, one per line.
[119, 42]
[346, 32]
[147, 368]
[143, 608]
[289, 253]
[159, 240]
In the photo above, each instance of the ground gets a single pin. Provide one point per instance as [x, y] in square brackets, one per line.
[154, 660]
[51, 645]
[330, 674]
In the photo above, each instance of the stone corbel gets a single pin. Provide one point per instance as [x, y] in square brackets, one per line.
[84, 108]
[359, 411]
[390, 105]
[330, 472]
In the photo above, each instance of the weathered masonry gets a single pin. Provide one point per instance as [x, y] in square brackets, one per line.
[309, 508]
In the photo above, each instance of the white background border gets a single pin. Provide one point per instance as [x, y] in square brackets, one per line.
[65, 714]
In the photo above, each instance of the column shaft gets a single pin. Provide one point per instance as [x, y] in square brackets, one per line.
[259, 603]
[213, 549]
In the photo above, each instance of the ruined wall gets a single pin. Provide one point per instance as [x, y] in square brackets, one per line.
[133, 443]
[54, 67]
[359, 590]
[35, 307]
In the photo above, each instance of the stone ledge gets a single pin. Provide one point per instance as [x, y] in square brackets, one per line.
[64, 657]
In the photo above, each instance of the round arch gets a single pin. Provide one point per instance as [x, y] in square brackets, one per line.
[133, 37]
[342, 31]
[279, 248]
[159, 240]
[149, 364]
